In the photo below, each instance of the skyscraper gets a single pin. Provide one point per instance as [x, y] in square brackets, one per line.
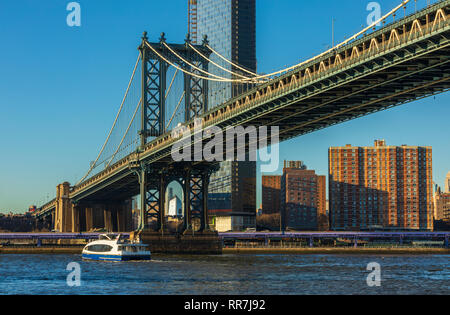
[383, 186]
[230, 26]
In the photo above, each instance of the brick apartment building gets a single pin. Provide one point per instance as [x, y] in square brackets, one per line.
[302, 197]
[381, 187]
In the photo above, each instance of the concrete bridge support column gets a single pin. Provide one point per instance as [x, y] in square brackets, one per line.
[89, 219]
[122, 223]
[52, 226]
[123, 212]
[76, 211]
[97, 217]
[107, 219]
[128, 211]
[121, 218]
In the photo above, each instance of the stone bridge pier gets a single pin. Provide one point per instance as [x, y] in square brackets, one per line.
[72, 216]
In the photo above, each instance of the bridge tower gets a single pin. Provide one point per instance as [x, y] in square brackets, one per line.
[153, 178]
[155, 58]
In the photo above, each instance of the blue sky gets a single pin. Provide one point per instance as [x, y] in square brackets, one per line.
[61, 86]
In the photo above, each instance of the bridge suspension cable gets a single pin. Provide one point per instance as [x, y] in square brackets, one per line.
[171, 83]
[175, 111]
[125, 134]
[257, 77]
[219, 66]
[230, 62]
[201, 70]
[114, 124]
[191, 73]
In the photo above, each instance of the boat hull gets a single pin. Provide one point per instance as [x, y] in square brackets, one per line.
[106, 257]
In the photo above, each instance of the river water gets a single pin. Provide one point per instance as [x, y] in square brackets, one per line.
[227, 274]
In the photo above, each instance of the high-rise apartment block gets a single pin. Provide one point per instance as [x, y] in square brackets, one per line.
[230, 26]
[303, 198]
[387, 187]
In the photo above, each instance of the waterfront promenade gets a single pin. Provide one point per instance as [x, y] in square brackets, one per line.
[60, 249]
[385, 243]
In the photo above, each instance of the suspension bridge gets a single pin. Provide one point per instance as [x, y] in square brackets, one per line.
[405, 59]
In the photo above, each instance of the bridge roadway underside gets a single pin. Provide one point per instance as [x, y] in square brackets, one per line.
[365, 89]
[121, 187]
[126, 183]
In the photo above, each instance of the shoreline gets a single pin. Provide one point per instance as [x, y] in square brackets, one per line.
[41, 250]
[254, 251]
[335, 250]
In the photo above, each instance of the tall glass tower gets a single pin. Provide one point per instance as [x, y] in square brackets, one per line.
[231, 29]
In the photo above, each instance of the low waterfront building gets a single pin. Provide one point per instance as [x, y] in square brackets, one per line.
[18, 223]
[175, 207]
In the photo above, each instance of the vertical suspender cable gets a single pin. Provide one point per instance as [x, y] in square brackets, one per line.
[114, 124]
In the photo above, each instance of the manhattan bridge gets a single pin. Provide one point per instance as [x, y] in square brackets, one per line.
[405, 59]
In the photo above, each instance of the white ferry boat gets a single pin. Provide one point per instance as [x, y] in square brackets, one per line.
[111, 248]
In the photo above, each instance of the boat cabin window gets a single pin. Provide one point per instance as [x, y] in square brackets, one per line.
[132, 249]
[99, 248]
